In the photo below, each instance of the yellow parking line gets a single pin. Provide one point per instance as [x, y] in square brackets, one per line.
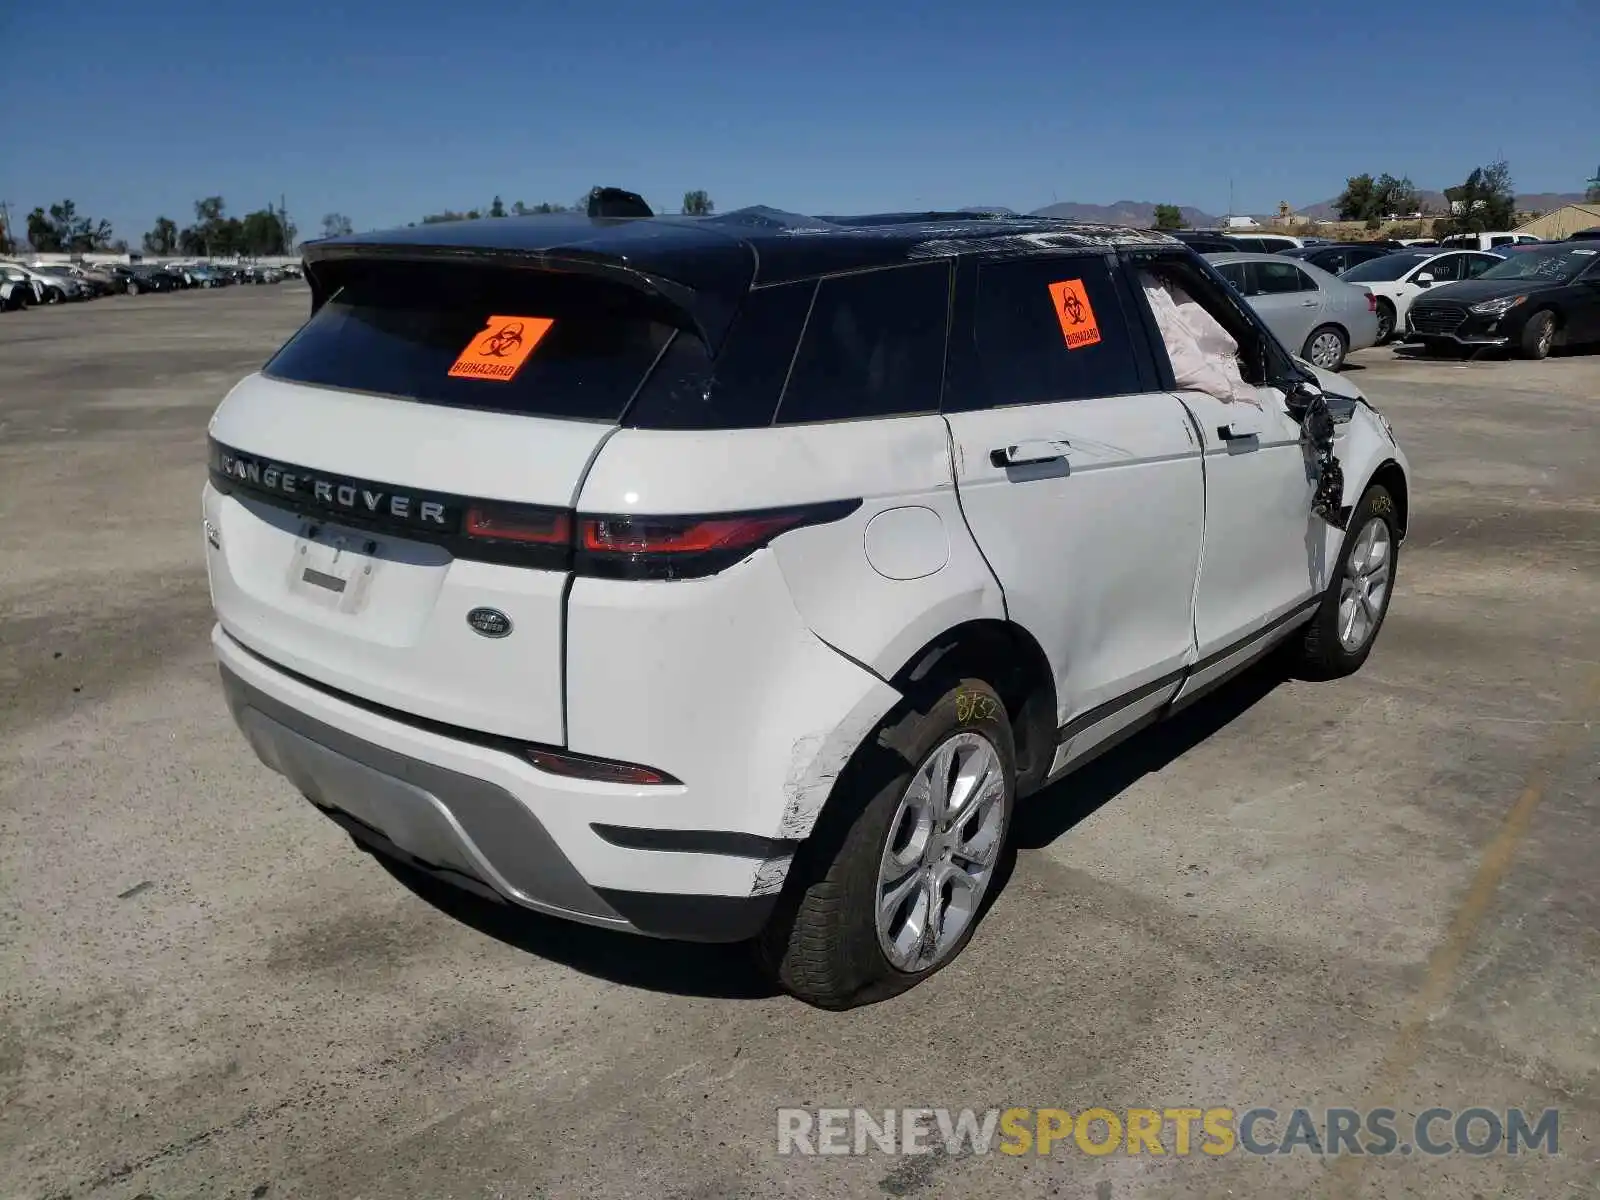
[1440, 977]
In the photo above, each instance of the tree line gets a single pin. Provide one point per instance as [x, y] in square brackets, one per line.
[62, 229]
[697, 203]
[267, 231]
[1484, 201]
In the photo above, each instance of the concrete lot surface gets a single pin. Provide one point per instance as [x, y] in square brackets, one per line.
[1379, 892]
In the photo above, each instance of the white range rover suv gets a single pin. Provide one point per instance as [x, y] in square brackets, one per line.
[734, 578]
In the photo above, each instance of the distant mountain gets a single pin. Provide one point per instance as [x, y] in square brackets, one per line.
[1122, 212]
[1435, 202]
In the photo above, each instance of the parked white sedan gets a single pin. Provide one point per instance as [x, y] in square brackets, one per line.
[1398, 279]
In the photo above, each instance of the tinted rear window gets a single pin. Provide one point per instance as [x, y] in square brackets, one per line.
[398, 330]
[873, 346]
[1019, 340]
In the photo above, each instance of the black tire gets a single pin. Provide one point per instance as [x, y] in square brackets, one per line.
[54, 296]
[1321, 653]
[133, 288]
[1538, 335]
[821, 943]
[1319, 331]
[1385, 321]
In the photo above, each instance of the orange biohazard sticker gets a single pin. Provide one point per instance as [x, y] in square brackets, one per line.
[497, 354]
[1078, 324]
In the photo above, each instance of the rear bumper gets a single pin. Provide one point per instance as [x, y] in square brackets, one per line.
[498, 828]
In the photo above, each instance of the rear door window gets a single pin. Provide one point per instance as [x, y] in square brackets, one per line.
[1234, 274]
[1046, 330]
[1448, 268]
[1278, 278]
[506, 340]
[873, 346]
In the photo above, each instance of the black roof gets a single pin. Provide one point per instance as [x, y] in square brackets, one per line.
[706, 264]
[765, 245]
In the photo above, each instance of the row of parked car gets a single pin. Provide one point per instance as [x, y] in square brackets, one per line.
[25, 284]
[1474, 291]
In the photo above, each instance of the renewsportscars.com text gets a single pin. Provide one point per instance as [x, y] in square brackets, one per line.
[1177, 1131]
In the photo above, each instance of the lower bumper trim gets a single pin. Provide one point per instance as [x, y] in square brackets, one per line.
[463, 830]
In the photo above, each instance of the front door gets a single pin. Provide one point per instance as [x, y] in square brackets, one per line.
[1266, 555]
[1081, 483]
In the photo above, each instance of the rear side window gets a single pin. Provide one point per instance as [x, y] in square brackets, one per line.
[1274, 278]
[521, 341]
[1234, 274]
[873, 346]
[739, 388]
[1046, 330]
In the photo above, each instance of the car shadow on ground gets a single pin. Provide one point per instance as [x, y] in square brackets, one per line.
[727, 972]
[730, 971]
[1048, 815]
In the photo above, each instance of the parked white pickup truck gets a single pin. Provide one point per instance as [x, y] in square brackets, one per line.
[1487, 241]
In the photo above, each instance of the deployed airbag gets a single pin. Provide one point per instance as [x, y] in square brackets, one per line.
[1204, 355]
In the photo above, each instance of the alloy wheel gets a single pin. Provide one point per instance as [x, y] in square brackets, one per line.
[941, 853]
[1365, 586]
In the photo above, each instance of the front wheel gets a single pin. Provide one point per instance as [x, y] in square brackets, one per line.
[879, 900]
[1538, 335]
[54, 296]
[133, 288]
[1326, 348]
[1340, 635]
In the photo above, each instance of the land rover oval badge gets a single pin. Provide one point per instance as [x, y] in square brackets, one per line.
[490, 622]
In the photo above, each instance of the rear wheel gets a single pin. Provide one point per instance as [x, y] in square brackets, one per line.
[1340, 635]
[133, 288]
[880, 900]
[1385, 321]
[1538, 335]
[1326, 347]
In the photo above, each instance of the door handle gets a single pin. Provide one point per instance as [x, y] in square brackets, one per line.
[1236, 433]
[1308, 304]
[1029, 453]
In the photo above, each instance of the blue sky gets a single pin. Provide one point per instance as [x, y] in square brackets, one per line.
[385, 111]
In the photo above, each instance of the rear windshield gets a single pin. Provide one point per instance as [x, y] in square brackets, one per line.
[507, 340]
[1386, 266]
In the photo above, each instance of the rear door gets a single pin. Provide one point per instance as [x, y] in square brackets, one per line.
[1287, 298]
[387, 509]
[1080, 482]
[1583, 305]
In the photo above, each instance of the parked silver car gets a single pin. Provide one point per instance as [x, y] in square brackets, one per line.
[1315, 315]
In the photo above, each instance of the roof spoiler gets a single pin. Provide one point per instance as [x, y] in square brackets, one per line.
[615, 202]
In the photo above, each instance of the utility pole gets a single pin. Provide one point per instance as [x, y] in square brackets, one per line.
[7, 234]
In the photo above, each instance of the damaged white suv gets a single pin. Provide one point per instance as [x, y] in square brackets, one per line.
[733, 578]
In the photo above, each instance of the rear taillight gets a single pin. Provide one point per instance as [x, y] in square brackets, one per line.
[1372, 303]
[600, 770]
[519, 535]
[519, 523]
[637, 547]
